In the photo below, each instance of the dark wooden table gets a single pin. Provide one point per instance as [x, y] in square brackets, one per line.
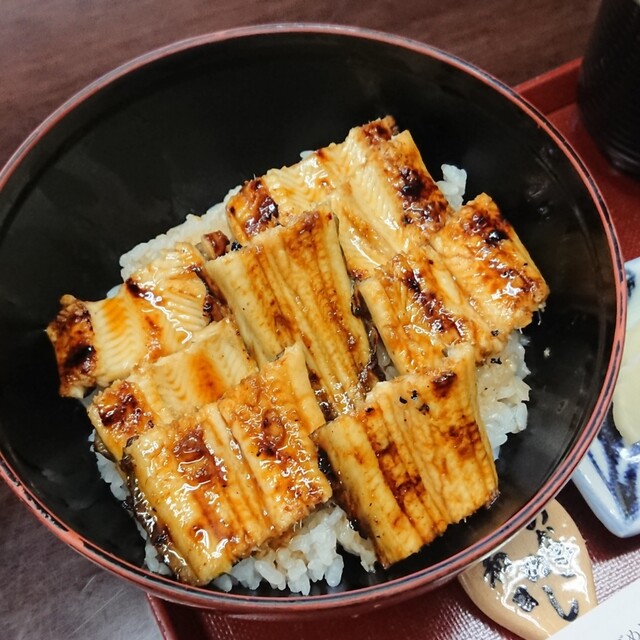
[50, 49]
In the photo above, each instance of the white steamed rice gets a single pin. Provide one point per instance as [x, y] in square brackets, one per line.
[191, 230]
[311, 554]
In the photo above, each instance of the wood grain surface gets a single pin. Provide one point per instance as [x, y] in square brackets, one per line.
[50, 49]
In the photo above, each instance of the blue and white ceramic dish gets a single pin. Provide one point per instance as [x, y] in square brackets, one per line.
[609, 475]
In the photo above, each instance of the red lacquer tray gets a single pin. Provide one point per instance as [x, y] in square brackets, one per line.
[446, 613]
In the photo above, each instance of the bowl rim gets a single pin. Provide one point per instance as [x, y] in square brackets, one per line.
[398, 587]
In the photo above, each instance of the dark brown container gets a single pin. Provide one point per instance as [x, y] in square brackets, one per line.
[609, 84]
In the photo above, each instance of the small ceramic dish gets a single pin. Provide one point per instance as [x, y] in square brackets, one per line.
[609, 476]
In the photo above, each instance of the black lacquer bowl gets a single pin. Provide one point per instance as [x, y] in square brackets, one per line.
[169, 134]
